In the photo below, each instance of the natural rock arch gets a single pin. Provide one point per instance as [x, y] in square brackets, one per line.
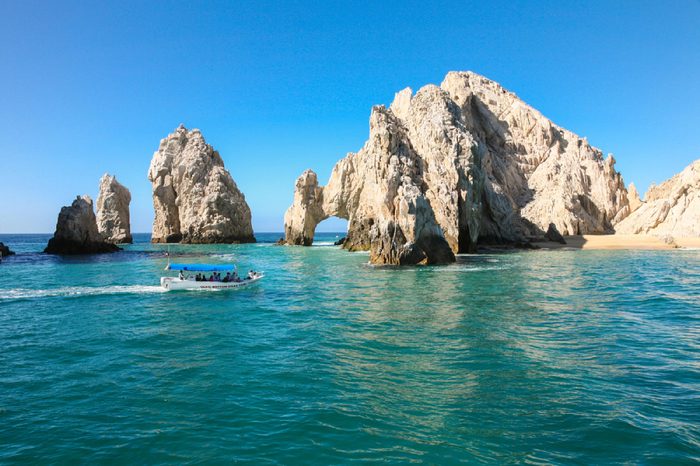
[455, 165]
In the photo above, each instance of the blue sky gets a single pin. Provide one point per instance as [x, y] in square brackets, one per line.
[278, 87]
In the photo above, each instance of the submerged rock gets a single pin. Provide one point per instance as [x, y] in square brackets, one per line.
[5, 250]
[76, 231]
[671, 208]
[113, 211]
[455, 165]
[194, 196]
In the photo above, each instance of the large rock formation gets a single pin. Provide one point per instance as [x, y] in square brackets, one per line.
[194, 197]
[113, 211]
[76, 231]
[455, 165]
[671, 208]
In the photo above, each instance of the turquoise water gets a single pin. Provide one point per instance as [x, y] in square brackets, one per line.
[536, 357]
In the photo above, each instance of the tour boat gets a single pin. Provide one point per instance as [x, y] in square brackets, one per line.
[186, 279]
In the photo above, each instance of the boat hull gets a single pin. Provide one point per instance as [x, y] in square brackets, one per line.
[176, 284]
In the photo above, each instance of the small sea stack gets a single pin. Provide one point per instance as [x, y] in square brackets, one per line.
[5, 250]
[113, 211]
[194, 197]
[76, 231]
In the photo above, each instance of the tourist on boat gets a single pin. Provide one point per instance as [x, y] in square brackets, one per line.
[227, 278]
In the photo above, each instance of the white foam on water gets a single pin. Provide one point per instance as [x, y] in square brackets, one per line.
[75, 291]
[473, 268]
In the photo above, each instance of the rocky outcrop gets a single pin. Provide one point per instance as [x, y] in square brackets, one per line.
[306, 212]
[113, 211]
[76, 231]
[457, 165]
[553, 234]
[671, 208]
[5, 250]
[194, 197]
[633, 197]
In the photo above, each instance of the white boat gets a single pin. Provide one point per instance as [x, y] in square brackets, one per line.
[186, 280]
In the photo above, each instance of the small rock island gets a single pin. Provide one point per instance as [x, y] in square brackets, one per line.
[76, 231]
[5, 250]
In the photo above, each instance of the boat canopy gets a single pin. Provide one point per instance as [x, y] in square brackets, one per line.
[201, 267]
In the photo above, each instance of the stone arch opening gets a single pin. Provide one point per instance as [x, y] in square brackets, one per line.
[331, 228]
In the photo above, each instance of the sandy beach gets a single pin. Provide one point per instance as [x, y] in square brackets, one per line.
[620, 242]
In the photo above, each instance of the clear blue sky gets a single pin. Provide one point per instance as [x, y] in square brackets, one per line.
[278, 87]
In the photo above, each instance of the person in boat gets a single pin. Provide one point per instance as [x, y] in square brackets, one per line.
[227, 278]
[211, 277]
[181, 275]
[251, 274]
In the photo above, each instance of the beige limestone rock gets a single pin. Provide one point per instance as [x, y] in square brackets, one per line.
[194, 196]
[633, 197]
[76, 231]
[113, 211]
[671, 208]
[455, 165]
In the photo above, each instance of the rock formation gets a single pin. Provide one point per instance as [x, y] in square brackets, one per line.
[633, 197]
[455, 165]
[113, 211]
[671, 208]
[194, 197]
[553, 234]
[5, 250]
[76, 231]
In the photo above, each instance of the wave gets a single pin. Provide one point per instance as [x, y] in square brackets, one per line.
[77, 291]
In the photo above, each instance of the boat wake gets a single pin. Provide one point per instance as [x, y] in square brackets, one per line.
[77, 291]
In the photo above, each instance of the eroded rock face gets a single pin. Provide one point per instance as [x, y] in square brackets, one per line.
[306, 212]
[194, 196]
[671, 208]
[76, 231]
[113, 211]
[455, 165]
[633, 197]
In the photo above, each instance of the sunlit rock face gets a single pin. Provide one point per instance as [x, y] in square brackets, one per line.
[671, 208]
[453, 166]
[194, 196]
[113, 201]
[76, 231]
[633, 196]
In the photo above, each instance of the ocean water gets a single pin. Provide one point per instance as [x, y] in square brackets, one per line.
[564, 357]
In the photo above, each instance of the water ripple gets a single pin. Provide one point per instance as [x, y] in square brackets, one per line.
[537, 358]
